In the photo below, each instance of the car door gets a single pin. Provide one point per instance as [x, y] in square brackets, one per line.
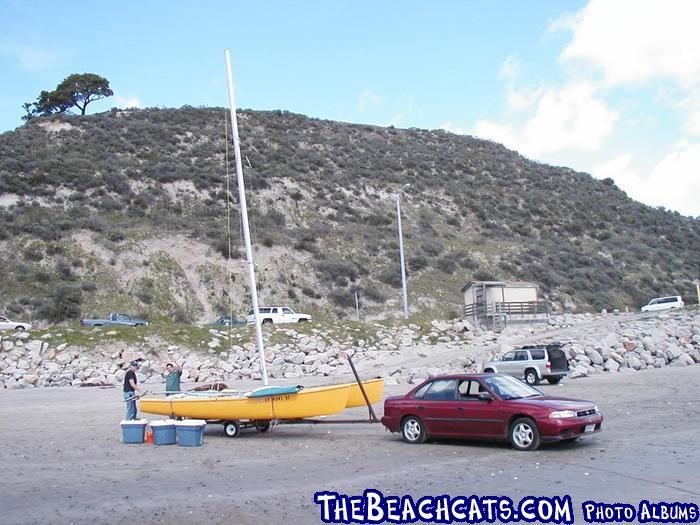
[436, 407]
[476, 417]
[506, 364]
[520, 362]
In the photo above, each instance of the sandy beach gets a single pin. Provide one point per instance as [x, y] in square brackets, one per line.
[63, 460]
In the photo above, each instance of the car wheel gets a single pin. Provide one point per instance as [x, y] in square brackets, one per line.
[19, 328]
[266, 321]
[412, 430]
[531, 377]
[302, 320]
[232, 429]
[488, 371]
[553, 380]
[524, 434]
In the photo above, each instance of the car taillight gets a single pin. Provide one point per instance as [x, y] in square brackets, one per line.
[549, 365]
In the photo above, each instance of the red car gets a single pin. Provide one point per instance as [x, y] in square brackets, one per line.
[488, 406]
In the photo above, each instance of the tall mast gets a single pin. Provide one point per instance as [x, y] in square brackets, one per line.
[244, 217]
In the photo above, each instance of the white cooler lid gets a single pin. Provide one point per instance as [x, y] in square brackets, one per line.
[163, 423]
[191, 423]
[134, 422]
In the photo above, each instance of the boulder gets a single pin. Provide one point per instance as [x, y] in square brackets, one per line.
[682, 360]
[611, 365]
[629, 345]
[594, 356]
[30, 379]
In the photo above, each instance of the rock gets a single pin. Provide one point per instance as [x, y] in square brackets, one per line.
[682, 360]
[611, 365]
[594, 356]
[30, 379]
[64, 359]
[34, 346]
[441, 326]
[324, 369]
[673, 352]
[629, 345]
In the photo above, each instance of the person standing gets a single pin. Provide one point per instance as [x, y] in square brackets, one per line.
[173, 372]
[130, 389]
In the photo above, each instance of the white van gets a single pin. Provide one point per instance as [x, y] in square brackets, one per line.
[663, 303]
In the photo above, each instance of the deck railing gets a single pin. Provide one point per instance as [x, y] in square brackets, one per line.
[520, 308]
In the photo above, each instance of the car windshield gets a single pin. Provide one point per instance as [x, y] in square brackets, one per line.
[507, 387]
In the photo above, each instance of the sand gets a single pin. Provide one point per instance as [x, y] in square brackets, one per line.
[63, 460]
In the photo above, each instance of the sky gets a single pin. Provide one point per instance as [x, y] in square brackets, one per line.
[606, 87]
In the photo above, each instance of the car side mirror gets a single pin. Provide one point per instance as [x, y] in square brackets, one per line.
[485, 396]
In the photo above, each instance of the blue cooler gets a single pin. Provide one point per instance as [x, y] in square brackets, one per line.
[134, 430]
[190, 432]
[163, 432]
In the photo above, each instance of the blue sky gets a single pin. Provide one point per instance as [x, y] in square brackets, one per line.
[609, 88]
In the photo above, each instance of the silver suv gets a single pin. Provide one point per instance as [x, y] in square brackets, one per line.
[533, 363]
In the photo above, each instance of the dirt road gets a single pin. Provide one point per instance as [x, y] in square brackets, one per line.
[63, 462]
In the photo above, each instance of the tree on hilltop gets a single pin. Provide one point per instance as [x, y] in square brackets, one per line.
[76, 90]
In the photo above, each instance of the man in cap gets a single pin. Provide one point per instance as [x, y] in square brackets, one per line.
[130, 389]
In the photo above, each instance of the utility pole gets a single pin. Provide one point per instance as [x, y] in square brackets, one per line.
[404, 292]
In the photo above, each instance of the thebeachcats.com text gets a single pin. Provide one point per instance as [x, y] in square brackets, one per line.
[374, 507]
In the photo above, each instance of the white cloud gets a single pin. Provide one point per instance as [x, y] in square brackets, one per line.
[510, 68]
[368, 98]
[566, 119]
[130, 102]
[673, 183]
[634, 41]
[520, 100]
[30, 57]
[618, 169]
[690, 108]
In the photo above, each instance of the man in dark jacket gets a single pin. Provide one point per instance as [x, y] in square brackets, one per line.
[130, 389]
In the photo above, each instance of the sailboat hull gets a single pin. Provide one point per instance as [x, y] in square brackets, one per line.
[309, 402]
[374, 388]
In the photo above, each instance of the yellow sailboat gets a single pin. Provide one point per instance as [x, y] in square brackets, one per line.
[266, 403]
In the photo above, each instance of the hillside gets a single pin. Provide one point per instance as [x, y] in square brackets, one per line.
[126, 210]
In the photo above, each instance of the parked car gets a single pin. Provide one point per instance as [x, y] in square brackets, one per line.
[488, 407]
[663, 303]
[6, 324]
[114, 319]
[533, 363]
[277, 314]
[225, 320]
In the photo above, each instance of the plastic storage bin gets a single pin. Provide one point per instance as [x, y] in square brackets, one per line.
[134, 430]
[164, 432]
[190, 432]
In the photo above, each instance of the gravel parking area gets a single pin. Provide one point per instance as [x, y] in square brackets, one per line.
[63, 461]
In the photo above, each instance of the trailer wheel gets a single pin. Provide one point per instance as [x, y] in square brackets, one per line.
[232, 428]
[262, 426]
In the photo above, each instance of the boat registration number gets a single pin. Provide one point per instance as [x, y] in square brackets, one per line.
[589, 428]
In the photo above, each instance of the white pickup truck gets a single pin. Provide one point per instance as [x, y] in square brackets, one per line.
[277, 314]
